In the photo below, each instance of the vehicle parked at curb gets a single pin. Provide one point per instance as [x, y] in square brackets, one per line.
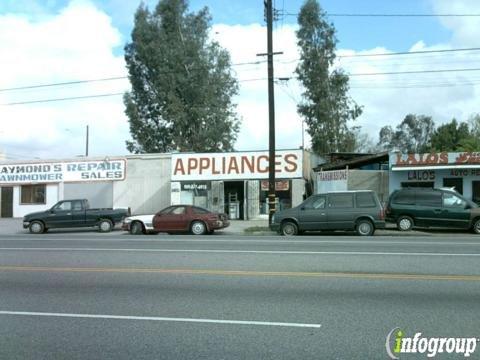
[139, 224]
[432, 208]
[189, 219]
[359, 210]
[72, 214]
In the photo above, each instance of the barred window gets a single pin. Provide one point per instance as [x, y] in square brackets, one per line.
[33, 194]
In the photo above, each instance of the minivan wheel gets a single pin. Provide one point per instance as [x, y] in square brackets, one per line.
[405, 223]
[476, 226]
[289, 228]
[365, 228]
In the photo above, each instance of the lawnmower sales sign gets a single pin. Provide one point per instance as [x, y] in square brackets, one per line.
[77, 171]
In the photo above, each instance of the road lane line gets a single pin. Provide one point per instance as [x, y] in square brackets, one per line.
[214, 251]
[157, 318]
[352, 275]
[172, 241]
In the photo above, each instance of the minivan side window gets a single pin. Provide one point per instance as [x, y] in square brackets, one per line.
[317, 202]
[404, 198]
[340, 201]
[429, 198]
[452, 200]
[365, 200]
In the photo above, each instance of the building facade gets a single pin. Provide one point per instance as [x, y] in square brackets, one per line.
[235, 183]
[460, 170]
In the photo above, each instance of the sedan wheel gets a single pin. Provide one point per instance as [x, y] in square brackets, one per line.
[136, 228]
[289, 229]
[198, 228]
[36, 227]
[405, 223]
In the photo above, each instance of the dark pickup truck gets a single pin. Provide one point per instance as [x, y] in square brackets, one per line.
[73, 213]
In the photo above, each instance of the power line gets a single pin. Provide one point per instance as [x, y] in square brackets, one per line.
[74, 82]
[390, 15]
[410, 52]
[89, 96]
[414, 72]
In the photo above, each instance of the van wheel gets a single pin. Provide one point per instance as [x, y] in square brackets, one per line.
[365, 228]
[405, 223]
[36, 227]
[476, 226]
[105, 225]
[289, 228]
[136, 228]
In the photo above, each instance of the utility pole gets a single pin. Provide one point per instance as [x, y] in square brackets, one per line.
[86, 145]
[271, 110]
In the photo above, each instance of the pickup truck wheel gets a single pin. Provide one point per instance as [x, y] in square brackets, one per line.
[198, 228]
[105, 225]
[136, 228]
[36, 227]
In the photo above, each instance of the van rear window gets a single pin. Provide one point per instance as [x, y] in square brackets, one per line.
[365, 200]
[340, 200]
[404, 198]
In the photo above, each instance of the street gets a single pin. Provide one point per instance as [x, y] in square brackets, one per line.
[91, 296]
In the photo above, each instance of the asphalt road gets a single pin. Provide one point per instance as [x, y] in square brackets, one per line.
[91, 296]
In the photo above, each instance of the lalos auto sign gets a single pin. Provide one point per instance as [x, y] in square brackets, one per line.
[236, 166]
[62, 172]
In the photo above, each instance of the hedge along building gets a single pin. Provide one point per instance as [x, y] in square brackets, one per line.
[434, 170]
[237, 182]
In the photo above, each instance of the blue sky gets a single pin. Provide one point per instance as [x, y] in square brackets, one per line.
[356, 33]
[51, 41]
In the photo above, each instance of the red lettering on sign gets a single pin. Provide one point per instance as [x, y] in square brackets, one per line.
[179, 167]
[233, 165]
[261, 169]
[277, 164]
[192, 165]
[248, 162]
[204, 164]
[214, 169]
[292, 165]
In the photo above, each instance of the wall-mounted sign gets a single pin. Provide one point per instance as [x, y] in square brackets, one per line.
[281, 185]
[62, 172]
[239, 165]
[192, 186]
[442, 158]
[334, 180]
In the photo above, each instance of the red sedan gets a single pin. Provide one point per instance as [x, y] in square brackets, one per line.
[188, 218]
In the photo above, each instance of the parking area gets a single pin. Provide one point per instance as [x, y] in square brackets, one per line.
[13, 226]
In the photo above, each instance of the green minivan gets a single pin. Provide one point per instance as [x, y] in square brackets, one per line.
[432, 208]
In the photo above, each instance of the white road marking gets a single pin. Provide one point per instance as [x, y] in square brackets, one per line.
[156, 318]
[276, 252]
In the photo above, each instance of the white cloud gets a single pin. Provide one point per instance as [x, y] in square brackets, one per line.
[76, 43]
[79, 43]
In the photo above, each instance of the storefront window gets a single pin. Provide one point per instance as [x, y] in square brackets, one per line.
[33, 194]
[283, 196]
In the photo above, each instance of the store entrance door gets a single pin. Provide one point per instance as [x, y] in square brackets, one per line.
[457, 183]
[476, 192]
[7, 202]
[234, 199]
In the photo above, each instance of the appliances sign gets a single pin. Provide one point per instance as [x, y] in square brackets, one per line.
[240, 165]
[62, 172]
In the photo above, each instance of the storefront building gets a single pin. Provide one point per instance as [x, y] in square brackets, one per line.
[460, 170]
[237, 183]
